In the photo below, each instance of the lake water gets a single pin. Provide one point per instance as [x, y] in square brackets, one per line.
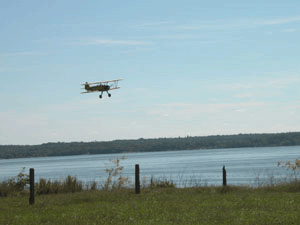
[244, 166]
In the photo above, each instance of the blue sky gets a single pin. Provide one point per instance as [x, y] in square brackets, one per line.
[192, 68]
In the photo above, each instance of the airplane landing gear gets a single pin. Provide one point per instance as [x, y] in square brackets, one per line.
[109, 95]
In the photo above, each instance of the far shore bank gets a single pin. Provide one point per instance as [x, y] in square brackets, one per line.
[150, 145]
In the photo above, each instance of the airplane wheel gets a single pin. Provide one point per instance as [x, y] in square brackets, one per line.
[109, 95]
[100, 96]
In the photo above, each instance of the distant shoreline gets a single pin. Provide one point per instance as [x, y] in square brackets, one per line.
[150, 145]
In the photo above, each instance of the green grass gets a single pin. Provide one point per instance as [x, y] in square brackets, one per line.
[202, 205]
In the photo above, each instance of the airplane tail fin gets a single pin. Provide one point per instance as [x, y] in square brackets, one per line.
[87, 86]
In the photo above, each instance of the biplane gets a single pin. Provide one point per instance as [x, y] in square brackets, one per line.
[101, 86]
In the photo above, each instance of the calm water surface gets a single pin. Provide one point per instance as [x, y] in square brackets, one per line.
[249, 166]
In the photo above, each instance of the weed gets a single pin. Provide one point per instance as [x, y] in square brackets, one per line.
[115, 171]
[15, 184]
[290, 166]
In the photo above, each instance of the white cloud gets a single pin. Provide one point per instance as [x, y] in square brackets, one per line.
[20, 128]
[244, 95]
[153, 23]
[262, 83]
[240, 110]
[164, 120]
[283, 83]
[110, 42]
[279, 21]
[239, 86]
[181, 36]
[119, 42]
[210, 26]
[227, 118]
[190, 111]
[289, 30]
[260, 88]
[25, 53]
[237, 24]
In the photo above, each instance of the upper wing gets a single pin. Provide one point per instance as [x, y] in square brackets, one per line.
[104, 82]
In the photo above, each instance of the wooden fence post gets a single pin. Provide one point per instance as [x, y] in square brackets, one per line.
[224, 177]
[137, 178]
[31, 181]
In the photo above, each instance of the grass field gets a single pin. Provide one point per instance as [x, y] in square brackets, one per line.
[202, 205]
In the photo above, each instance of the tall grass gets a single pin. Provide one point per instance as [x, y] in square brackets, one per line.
[69, 185]
[17, 186]
[115, 180]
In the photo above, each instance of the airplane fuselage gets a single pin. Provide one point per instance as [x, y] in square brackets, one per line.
[100, 87]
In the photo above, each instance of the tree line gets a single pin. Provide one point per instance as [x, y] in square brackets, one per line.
[150, 145]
